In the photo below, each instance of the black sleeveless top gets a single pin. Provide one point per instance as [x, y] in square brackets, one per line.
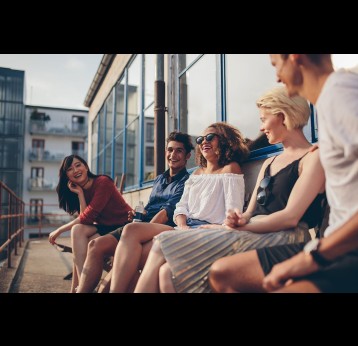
[280, 187]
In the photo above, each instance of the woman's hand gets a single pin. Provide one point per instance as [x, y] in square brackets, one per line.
[52, 236]
[74, 187]
[234, 218]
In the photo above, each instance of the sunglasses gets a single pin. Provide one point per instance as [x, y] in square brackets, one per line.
[263, 194]
[209, 137]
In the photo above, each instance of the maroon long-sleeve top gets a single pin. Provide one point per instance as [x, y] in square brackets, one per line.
[105, 205]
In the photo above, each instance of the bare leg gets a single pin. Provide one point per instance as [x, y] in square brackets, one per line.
[145, 252]
[98, 249]
[238, 273]
[80, 235]
[74, 282]
[105, 284]
[165, 279]
[302, 286]
[128, 254]
[149, 279]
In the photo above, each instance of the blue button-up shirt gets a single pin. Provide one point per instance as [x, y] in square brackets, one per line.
[166, 193]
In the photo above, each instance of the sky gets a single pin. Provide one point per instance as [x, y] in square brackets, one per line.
[63, 80]
[55, 80]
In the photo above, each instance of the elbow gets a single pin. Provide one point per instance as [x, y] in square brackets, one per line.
[292, 221]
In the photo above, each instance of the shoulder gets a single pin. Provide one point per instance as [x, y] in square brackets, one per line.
[198, 171]
[104, 180]
[232, 167]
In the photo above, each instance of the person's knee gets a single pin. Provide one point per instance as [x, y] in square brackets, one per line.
[128, 232]
[95, 247]
[218, 275]
[76, 231]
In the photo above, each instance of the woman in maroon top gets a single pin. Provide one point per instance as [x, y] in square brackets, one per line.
[95, 198]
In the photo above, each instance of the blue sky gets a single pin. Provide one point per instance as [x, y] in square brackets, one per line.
[62, 80]
[56, 80]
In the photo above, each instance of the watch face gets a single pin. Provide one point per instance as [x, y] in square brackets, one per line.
[311, 245]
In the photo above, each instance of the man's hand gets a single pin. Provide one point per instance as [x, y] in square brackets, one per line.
[299, 265]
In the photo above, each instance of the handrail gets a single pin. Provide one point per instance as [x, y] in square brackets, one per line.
[11, 218]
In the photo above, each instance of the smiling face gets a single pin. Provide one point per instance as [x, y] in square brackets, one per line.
[209, 148]
[272, 126]
[288, 72]
[77, 172]
[176, 156]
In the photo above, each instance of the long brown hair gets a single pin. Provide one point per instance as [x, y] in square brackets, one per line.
[232, 145]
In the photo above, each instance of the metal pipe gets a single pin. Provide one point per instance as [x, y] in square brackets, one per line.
[159, 116]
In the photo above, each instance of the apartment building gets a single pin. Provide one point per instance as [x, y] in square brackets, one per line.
[50, 135]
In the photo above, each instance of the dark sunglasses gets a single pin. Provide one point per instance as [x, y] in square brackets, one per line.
[209, 137]
[263, 194]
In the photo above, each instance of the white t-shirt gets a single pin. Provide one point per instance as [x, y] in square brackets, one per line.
[208, 196]
[337, 111]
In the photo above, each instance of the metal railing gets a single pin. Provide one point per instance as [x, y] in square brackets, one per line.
[11, 221]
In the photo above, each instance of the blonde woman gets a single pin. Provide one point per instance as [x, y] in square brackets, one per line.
[284, 205]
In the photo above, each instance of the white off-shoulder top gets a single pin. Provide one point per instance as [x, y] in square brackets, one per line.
[208, 196]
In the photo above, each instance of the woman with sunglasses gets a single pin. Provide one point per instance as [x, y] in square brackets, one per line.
[217, 185]
[95, 198]
[286, 202]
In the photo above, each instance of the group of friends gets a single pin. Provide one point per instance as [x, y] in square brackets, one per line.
[196, 235]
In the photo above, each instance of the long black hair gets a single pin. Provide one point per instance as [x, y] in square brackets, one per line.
[68, 200]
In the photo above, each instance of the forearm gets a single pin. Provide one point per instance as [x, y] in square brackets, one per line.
[342, 241]
[83, 204]
[160, 217]
[180, 220]
[68, 225]
[270, 223]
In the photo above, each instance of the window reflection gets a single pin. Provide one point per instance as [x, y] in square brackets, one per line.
[248, 77]
[197, 97]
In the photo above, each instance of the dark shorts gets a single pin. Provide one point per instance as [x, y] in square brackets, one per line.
[104, 229]
[339, 277]
[117, 233]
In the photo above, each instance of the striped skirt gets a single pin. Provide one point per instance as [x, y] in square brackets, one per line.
[190, 253]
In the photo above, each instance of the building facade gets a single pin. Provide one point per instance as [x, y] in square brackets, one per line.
[50, 135]
[12, 110]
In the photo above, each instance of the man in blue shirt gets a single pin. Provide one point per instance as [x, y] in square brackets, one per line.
[166, 193]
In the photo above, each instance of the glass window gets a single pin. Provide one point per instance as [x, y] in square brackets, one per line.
[149, 159]
[248, 76]
[132, 168]
[94, 143]
[109, 134]
[186, 60]
[150, 130]
[197, 97]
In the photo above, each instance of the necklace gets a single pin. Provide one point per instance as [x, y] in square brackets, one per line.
[88, 179]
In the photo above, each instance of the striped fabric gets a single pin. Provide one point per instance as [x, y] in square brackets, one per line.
[190, 253]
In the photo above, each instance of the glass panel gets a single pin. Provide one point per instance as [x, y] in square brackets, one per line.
[148, 161]
[185, 60]
[149, 79]
[118, 162]
[101, 129]
[134, 90]
[197, 98]
[120, 106]
[94, 144]
[132, 167]
[109, 135]
[248, 77]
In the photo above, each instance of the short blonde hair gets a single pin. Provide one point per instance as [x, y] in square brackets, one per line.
[295, 109]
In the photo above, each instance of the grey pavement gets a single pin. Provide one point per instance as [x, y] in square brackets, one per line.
[38, 268]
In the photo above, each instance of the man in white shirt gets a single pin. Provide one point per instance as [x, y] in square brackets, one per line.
[329, 264]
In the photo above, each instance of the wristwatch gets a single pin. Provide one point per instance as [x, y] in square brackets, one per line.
[311, 248]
